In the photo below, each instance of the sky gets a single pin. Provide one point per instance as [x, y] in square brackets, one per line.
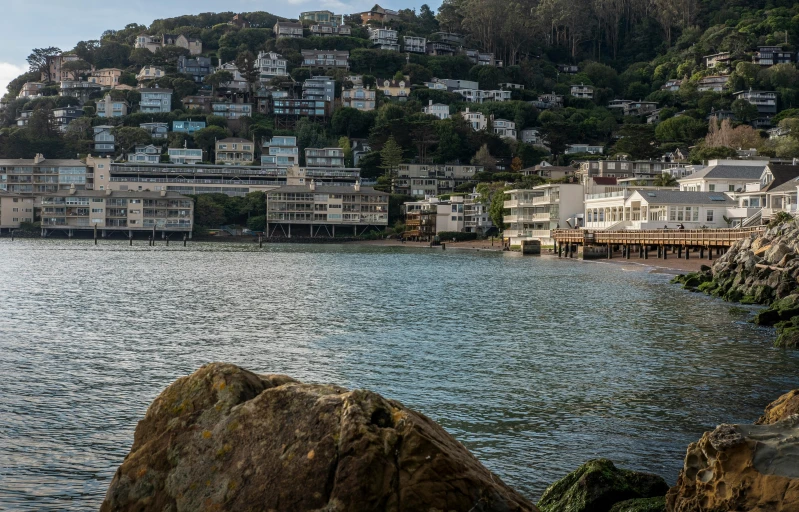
[63, 23]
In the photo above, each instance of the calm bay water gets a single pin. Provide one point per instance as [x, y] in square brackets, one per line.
[535, 364]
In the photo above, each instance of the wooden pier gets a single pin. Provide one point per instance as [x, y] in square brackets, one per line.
[681, 241]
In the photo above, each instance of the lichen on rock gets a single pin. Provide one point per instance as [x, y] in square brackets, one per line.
[226, 439]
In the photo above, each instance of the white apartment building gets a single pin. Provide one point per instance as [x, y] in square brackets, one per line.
[439, 110]
[504, 128]
[420, 180]
[42, 176]
[414, 44]
[459, 213]
[271, 65]
[534, 213]
[384, 39]
[582, 91]
[481, 96]
[478, 120]
[280, 152]
[185, 156]
[149, 154]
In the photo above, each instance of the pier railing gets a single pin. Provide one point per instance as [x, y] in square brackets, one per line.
[672, 237]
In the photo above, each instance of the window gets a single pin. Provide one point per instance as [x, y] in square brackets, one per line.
[710, 215]
[732, 188]
[711, 188]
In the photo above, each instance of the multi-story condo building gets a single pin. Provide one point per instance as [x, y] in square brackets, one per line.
[31, 90]
[41, 176]
[189, 126]
[202, 178]
[109, 107]
[765, 101]
[414, 44]
[397, 89]
[149, 154]
[324, 157]
[322, 17]
[441, 48]
[319, 88]
[185, 156]
[420, 180]
[64, 115]
[201, 103]
[379, 14]
[714, 83]
[624, 168]
[504, 128]
[156, 130]
[107, 77]
[384, 39]
[326, 59]
[582, 91]
[478, 120]
[433, 216]
[358, 97]
[288, 110]
[230, 110]
[317, 210]
[573, 149]
[280, 152]
[271, 65]
[534, 213]
[104, 141]
[531, 136]
[155, 100]
[771, 55]
[287, 29]
[439, 110]
[78, 89]
[14, 210]
[107, 210]
[639, 108]
[329, 29]
[480, 96]
[718, 59]
[154, 43]
[235, 151]
[149, 73]
[197, 67]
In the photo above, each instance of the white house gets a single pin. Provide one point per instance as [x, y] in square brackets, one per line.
[582, 91]
[271, 65]
[185, 155]
[145, 154]
[724, 176]
[481, 96]
[150, 73]
[439, 110]
[476, 119]
[534, 213]
[504, 128]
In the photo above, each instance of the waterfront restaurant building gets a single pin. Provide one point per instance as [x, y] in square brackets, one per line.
[317, 210]
[116, 211]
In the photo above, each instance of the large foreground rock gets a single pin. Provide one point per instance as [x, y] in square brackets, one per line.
[598, 485]
[781, 408]
[225, 439]
[753, 468]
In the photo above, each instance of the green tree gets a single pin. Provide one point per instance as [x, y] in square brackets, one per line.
[483, 158]
[245, 62]
[218, 79]
[390, 156]
[665, 180]
[206, 138]
[208, 213]
[40, 59]
[492, 194]
[127, 138]
[344, 143]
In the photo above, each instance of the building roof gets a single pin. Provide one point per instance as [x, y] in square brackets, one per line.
[782, 174]
[685, 197]
[328, 190]
[734, 172]
[45, 163]
[155, 89]
[143, 194]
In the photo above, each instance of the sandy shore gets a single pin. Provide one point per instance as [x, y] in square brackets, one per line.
[671, 265]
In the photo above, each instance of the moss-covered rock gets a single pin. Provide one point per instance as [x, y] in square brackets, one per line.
[788, 338]
[597, 485]
[641, 505]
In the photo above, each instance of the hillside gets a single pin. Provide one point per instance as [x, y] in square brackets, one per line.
[652, 53]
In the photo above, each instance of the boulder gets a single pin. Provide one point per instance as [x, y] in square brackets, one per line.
[740, 468]
[597, 486]
[226, 439]
[641, 505]
[776, 253]
[781, 408]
